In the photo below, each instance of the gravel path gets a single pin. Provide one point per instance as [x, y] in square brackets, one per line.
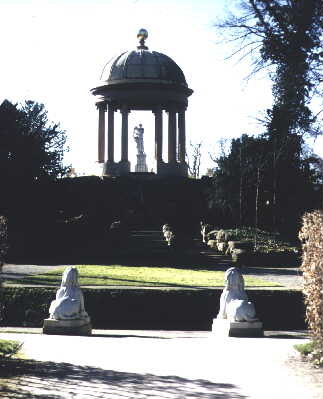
[159, 364]
[11, 271]
[288, 277]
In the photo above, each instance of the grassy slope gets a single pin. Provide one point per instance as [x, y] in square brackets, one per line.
[116, 275]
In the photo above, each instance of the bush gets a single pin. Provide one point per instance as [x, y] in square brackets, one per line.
[19, 301]
[9, 348]
[212, 244]
[305, 349]
[311, 235]
[4, 246]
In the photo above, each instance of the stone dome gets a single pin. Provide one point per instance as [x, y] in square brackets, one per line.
[142, 65]
[142, 80]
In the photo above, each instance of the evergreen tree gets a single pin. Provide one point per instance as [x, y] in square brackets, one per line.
[30, 147]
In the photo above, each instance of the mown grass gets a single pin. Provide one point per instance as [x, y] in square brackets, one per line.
[116, 275]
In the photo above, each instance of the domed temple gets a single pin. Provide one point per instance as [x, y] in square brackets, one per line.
[143, 80]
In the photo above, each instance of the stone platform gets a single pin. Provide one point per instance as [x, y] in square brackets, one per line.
[227, 328]
[67, 327]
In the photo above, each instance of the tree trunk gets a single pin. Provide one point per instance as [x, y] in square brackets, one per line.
[274, 198]
[240, 192]
[256, 205]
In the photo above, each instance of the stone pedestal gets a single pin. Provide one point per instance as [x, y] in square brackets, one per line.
[67, 327]
[227, 328]
[171, 169]
[141, 165]
[116, 168]
[110, 168]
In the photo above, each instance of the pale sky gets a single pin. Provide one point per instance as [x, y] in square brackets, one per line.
[53, 52]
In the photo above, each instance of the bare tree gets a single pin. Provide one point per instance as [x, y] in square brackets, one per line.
[194, 160]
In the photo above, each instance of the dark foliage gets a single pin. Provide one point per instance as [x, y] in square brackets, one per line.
[30, 147]
[70, 217]
[242, 192]
[157, 309]
[284, 35]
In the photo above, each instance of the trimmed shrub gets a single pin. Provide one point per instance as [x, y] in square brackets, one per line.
[221, 236]
[157, 309]
[245, 245]
[19, 302]
[311, 235]
[212, 244]
[222, 246]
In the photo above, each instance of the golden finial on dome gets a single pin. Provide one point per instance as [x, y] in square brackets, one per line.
[142, 36]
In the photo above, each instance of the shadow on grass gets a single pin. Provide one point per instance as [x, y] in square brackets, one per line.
[97, 281]
[49, 380]
[262, 271]
[126, 283]
[174, 259]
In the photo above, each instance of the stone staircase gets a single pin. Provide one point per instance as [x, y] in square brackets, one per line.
[150, 246]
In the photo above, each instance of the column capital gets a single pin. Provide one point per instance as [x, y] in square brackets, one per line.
[125, 109]
[182, 108]
[112, 107]
[101, 105]
[157, 109]
[174, 107]
[171, 108]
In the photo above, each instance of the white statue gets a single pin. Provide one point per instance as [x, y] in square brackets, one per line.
[69, 302]
[234, 304]
[138, 135]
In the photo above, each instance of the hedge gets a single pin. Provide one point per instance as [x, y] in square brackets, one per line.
[152, 308]
[311, 235]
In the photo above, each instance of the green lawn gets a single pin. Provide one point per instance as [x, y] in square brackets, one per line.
[116, 275]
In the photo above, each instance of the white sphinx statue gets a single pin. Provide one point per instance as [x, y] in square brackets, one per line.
[69, 302]
[234, 304]
[237, 315]
[67, 312]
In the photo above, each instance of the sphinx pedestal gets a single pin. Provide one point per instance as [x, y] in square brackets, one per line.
[67, 327]
[227, 328]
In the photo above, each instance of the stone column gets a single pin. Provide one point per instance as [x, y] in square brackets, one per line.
[171, 135]
[110, 149]
[158, 134]
[181, 136]
[101, 131]
[124, 133]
